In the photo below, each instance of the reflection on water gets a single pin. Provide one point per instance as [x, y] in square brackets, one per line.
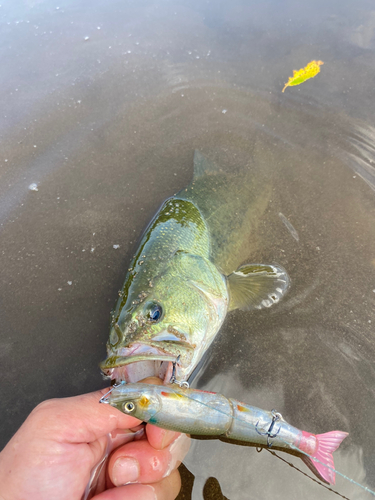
[102, 108]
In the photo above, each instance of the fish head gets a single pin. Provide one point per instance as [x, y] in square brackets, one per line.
[163, 329]
[138, 400]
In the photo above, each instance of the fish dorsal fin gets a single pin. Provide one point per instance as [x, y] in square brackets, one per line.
[255, 286]
[202, 165]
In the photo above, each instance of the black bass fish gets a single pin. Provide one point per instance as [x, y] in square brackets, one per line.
[187, 274]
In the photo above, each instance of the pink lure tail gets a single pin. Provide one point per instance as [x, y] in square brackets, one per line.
[321, 447]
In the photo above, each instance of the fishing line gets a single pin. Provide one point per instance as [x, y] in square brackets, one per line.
[304, 473]
[368, 490]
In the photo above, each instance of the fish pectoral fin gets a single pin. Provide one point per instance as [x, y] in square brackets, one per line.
[205, 288]
[255, 286]
[202, 165]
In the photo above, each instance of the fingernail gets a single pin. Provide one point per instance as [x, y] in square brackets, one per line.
[178, 450]
[125, 470]
[120, 437]
[168, 437]
[148, 492]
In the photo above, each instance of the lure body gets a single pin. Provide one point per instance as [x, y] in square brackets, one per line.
[212, 414]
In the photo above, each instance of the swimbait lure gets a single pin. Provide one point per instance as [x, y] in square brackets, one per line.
[212, 414]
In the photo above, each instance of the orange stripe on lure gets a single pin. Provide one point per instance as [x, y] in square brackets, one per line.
[172, 395]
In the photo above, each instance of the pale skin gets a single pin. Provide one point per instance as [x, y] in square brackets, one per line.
[51, 456]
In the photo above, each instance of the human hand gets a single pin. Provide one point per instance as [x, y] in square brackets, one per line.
[53, 453]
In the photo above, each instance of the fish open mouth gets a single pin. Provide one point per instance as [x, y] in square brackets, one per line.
[138, 361]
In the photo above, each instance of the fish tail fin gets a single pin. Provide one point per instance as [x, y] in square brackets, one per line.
[323, 466]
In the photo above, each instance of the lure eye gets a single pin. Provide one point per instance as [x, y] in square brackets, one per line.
[154, 313]
[129, 407]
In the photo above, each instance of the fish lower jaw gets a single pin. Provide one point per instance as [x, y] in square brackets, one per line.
[139, 370]
[138, 361]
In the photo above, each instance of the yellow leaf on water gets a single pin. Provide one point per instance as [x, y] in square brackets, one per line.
[300, 76]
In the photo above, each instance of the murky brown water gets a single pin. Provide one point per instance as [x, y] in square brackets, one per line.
[102, 108]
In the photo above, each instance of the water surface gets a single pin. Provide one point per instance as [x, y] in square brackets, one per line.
[103, 105]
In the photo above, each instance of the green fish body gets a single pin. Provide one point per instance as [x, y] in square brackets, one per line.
[185, 277]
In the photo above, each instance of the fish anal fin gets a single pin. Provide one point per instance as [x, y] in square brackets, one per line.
[203, 165]
[256, 286]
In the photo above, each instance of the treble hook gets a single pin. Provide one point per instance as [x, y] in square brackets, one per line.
[173, 380]
[275, 417]
[173, 376]
[174, 363]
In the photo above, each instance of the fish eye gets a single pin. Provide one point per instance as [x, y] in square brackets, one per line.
[154, 313]
[129, 407]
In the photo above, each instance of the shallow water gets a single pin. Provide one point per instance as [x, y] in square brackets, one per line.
[102, 108]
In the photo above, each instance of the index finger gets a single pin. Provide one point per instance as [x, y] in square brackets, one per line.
[80, 418]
